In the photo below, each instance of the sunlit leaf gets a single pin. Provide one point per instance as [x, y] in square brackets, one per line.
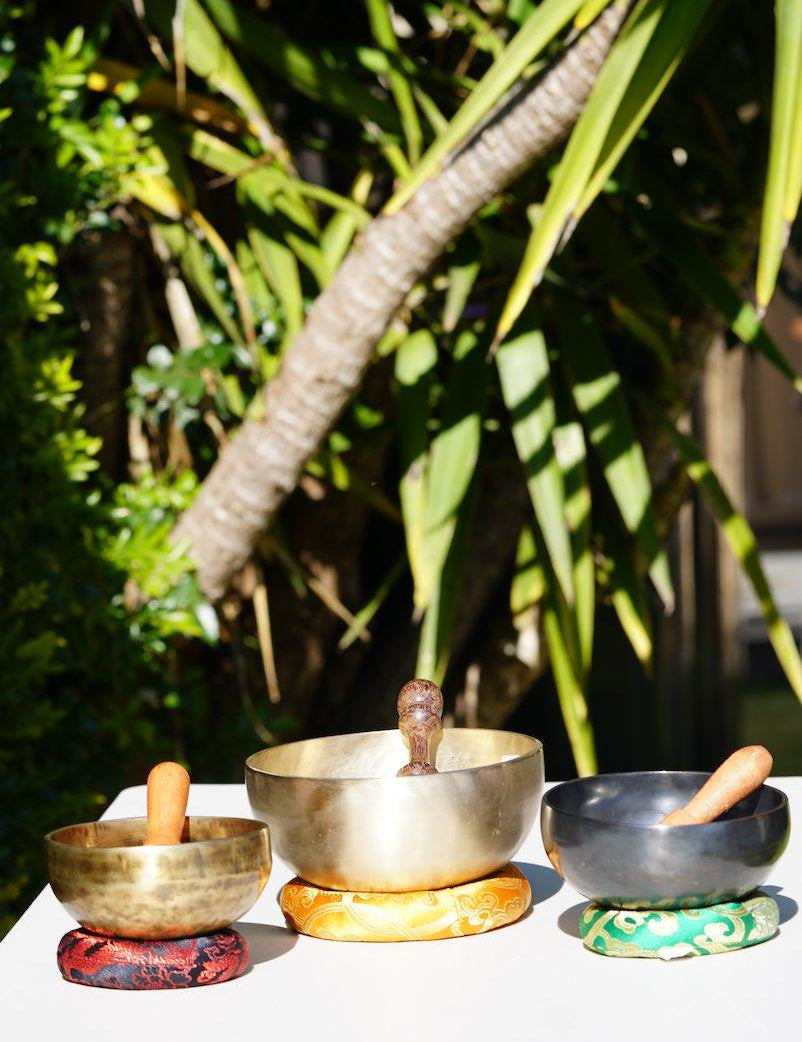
[540, 28]
[639, 64]
[416, 359]
[461, 277]
[381, 25]
[523, 367]
[300, 67]
[454, 455]
[366, 614]
[742, 541]
[600, 400]
[784, 175]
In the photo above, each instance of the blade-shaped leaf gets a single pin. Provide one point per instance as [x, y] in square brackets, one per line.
[627, 592]
[523, 367]
[437, 628]
[528, 581]
[702, 275]
[338, 234]
[639, 63]
[301, 68]
[744, 545]
[454, 454]
[569, 445]
[588, 13]
[570, 694]
[208, 57]
[785, 168]
[666, 50]
[280, 269]
[461, 277]
[381, 25]
[415, 363]
[540, 28]
[600, 400]
[190, 256]
[366, 614]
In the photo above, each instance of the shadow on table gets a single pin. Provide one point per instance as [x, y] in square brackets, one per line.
[266, 942]
[787, 905]
[568, 921]
[544, 881]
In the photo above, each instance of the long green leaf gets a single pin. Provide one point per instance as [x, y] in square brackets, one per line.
[744, 545]
[785, 167]
[300, 67]
[570, 694]
[569, 444]
[640, 62]
[366, 614]
[454, 454]
[528, 582]
[279, 267]
[338, 234]
[381, 25]
[415, 363]
[540, 28]
[627, 592]
[208, 57]
[701, 274]
[437, 628]
[600, 399]
[666, 50]
[190, 256]
[523, 367]
[461, 277]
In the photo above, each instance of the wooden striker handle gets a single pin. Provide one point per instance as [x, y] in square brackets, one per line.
[420, 707]
[740, 774]
[168, 791]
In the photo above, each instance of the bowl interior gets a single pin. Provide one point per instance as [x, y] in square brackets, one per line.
[380, 754]
[130, 832]
[641, 799]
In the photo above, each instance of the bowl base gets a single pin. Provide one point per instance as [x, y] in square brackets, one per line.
[129, 965]
[420, 915]
[679, 932]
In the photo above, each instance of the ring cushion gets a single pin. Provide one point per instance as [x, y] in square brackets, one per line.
[128, 965]
[423, 915]
[675, 933]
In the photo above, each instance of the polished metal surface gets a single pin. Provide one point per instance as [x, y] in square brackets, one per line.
[602, 834]
[113, 885]
[343, 820]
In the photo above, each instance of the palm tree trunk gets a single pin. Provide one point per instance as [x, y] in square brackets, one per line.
[325, 363]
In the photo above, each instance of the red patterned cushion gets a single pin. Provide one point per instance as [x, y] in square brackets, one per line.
[117, 962]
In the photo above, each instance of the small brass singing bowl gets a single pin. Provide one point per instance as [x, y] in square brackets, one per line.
[340, 817]
[113, 885]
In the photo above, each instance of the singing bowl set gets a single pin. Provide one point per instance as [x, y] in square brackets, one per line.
[369, 822]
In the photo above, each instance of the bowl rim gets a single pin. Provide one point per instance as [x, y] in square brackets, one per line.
[259, 826]
[782, 805]
[537, 749]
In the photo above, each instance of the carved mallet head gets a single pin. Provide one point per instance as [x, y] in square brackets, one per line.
[420, 708]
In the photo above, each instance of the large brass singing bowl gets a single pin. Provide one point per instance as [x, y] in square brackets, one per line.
[113, 885]
[340, 817]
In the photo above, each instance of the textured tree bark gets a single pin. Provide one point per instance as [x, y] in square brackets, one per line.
[328, 358]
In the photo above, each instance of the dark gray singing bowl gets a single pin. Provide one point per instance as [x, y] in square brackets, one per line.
[601, 834]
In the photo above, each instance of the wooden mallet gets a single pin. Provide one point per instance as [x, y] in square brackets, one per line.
[168, 792]
[740, 774]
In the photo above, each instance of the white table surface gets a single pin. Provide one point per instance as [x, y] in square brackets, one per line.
[532, 980]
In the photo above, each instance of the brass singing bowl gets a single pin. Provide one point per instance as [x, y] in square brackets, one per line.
[340, 817]
[113, 885]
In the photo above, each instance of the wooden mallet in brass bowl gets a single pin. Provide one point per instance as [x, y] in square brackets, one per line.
[343, 819]
[163, 876]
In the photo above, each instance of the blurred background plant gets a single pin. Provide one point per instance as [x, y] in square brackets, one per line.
[506, 502]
